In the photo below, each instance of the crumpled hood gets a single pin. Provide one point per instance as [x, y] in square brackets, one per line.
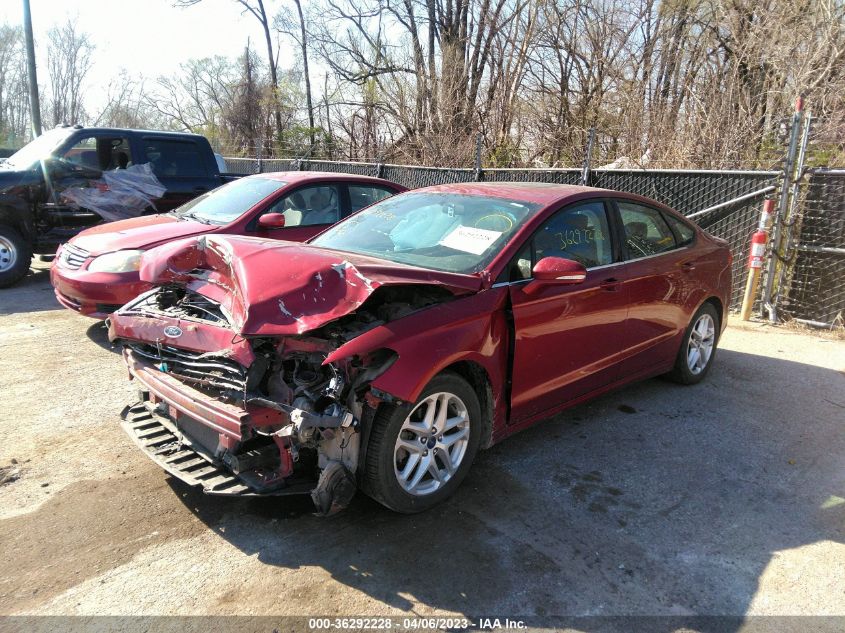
[140, 232]
[275, 288]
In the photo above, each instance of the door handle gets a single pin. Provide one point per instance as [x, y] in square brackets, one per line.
[688, 267]
[611, 284]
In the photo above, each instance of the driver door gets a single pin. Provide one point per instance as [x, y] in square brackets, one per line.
[568, 338]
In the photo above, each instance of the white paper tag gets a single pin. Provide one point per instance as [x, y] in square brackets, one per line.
[470, 240]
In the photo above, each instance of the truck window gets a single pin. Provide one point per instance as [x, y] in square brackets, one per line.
[175, 159]
[98, 152]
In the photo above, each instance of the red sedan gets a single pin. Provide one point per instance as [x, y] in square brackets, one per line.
[391, 348]
[97, 271]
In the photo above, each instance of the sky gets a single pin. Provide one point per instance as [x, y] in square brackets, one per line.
[149, 37]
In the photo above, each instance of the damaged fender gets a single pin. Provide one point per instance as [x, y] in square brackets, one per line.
[470, 329]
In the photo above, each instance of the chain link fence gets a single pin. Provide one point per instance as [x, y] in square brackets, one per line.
[688, 191]
[817, 286]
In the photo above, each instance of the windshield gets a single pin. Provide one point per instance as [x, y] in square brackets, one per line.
[38, 149]
[227, 203]
[443, 231]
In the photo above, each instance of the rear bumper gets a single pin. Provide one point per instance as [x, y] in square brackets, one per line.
[94, 294]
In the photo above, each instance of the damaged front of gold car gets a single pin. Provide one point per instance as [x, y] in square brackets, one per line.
[242, 389]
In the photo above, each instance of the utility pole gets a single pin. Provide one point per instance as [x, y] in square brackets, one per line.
[34, 102]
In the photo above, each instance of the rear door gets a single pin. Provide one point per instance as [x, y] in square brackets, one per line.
[658, 281]
[181, 164]
[364, 194]
[567, 338]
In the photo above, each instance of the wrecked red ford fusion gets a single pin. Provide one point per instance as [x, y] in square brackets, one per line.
[386, 352]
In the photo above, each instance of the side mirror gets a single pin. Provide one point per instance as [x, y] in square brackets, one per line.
[555, 271]
[271, 221]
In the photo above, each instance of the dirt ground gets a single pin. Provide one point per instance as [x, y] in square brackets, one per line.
[723, 498]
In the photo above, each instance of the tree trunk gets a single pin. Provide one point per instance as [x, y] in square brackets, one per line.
[304, 44]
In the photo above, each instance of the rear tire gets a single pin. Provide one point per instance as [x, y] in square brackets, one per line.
[411, 465]
[698, 347]
[15, 256]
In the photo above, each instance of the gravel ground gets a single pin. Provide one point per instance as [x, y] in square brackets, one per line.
[723, 498]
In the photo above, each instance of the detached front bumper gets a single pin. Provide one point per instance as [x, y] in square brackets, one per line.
[227, 420]
[166, 446]
[185, 432]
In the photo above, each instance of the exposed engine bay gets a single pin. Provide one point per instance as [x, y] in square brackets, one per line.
[305, 414]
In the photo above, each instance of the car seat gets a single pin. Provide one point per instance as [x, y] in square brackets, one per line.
[323, 209]
[636, 236]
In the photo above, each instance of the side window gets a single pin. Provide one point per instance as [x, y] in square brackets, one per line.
[307, 206]
[578, 233]
[361, 196]
[175, 159]
[101, 153]
[683, 230]
[646, 232]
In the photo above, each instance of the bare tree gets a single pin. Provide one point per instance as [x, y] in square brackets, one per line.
[285, 23]
[69, 59]
[257, 10]
[14, 112]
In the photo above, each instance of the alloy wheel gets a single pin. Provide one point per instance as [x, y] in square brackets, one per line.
[702, 340]
[431, 444]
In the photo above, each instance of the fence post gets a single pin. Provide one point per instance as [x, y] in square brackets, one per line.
[259, 151]
[478, 173]
[788, 172]
[792, 212]
[585, 175]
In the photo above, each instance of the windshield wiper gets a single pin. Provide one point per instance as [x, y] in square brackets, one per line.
[193, 216]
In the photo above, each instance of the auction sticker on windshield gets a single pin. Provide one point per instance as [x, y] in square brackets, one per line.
[470, 240]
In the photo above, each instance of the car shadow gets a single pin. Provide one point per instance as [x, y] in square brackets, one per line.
[653, 500]
[98, 333]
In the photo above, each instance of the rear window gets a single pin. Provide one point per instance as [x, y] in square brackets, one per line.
[175, 159]
[683, 230]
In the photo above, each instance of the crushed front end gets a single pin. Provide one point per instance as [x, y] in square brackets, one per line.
[243, 414]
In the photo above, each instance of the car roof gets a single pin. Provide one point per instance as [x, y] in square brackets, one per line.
[121, 130]
[304, 176]
[542, 193]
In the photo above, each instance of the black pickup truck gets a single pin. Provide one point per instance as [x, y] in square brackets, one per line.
[34, 219]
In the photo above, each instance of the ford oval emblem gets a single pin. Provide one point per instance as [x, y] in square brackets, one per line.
[173, 331]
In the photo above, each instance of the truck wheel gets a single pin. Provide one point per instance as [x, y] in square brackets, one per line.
[15, 256]
[419, 454]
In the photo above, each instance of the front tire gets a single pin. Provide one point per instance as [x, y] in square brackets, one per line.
[698, 347]
[419, 454]
[15, 256]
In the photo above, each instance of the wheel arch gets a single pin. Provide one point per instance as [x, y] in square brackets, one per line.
[479, 380]
[10, 216]
[717, 304]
